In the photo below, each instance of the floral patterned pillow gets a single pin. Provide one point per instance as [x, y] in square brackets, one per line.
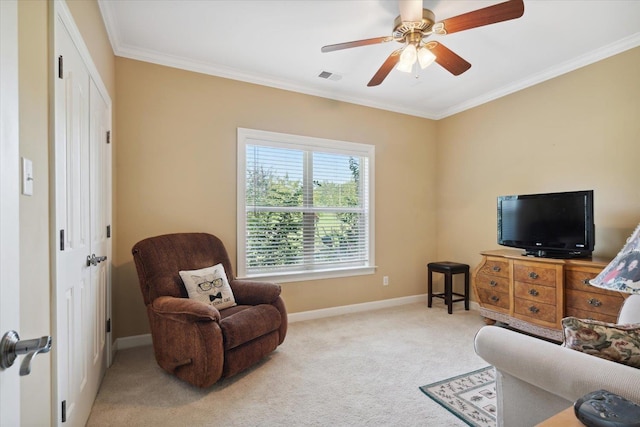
[619, 343]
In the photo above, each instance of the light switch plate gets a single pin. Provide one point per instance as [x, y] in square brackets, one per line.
[27, 177]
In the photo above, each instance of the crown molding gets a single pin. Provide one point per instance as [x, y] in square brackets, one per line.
[111, 24]
[548, 74]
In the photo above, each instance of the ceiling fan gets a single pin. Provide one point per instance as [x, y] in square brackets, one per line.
[415, 25]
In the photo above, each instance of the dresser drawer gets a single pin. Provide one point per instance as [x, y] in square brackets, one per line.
[491, 299]
[497, 283]
[534, 292]
[531, 273]
[495, 267]
[607, 304]
[535, 311]
[579, 280]
[584, 314]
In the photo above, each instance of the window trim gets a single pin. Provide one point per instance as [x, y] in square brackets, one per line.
[283, 140]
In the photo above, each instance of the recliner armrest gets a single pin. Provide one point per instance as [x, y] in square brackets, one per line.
[249, 292]
[184, 309]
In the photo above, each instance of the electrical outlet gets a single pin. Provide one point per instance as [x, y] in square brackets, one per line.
[385, 281]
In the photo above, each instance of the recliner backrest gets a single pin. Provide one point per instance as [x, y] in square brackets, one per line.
[159, 260]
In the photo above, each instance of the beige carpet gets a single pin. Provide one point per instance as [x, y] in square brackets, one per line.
[359, 369]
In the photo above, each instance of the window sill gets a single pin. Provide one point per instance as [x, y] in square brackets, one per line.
[312, 275]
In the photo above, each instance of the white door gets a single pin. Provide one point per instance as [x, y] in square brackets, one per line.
[9, 216]
[82, 212]
[73, 276]
[100, 190]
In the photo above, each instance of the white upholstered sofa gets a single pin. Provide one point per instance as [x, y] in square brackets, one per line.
[536, 379]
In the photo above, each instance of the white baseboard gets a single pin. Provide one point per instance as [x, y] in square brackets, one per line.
[142, 340]
[133, 341]
[354, 308]
[366, 306]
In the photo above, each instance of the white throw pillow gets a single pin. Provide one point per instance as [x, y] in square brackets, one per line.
[209, 285]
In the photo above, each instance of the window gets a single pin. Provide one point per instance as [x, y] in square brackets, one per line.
[305, 207]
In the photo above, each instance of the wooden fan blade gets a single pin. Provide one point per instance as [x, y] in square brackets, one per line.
[489, 15]
[410, 10]
[386, 68]
[448, 59]
[357, 43]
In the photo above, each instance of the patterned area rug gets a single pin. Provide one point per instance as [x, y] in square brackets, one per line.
[470, 397]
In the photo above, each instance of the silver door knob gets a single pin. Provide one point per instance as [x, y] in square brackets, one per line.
[11, 347]
[95, 260]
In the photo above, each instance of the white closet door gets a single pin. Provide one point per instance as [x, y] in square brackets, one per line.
[82, 204]
[100, 188]
[72, 227]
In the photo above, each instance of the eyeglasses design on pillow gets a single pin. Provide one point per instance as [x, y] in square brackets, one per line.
[207, 282]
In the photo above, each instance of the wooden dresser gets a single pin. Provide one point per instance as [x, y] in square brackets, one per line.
[534, 294]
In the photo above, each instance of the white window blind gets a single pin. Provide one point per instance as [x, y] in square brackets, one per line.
[304, 205]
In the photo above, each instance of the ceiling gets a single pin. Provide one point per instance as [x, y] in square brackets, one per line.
[277, 44]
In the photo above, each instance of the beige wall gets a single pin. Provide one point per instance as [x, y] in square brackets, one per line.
[176, 171]
[34, 32]
[577, 131]
[176, 162]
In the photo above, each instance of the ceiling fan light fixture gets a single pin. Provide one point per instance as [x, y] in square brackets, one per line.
[405, 67]
[409, 54]
[408, 57]
[425, 57]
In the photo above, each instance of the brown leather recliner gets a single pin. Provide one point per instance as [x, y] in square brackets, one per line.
[193, 340]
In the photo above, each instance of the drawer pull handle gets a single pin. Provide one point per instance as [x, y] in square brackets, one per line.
[533, 292]
[534, 309]
[585, 282]
[494, 298]
[496, 268]
[533, 275]
[493, 283]
[594, 302]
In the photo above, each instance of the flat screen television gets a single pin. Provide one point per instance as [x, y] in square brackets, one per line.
[551, 225]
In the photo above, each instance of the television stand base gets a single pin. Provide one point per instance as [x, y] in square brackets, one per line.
[556, 254]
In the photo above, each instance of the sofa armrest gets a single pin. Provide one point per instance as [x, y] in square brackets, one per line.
[630, 311]
[567, 373]
[248, 292]
[184, 310]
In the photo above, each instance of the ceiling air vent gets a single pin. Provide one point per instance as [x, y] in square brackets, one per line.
[329, 76]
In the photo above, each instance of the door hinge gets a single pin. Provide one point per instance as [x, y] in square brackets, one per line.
[108, 231]
[60, 67]
[108, 325]
[62, 240]
[108, 137]
[64, 411]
